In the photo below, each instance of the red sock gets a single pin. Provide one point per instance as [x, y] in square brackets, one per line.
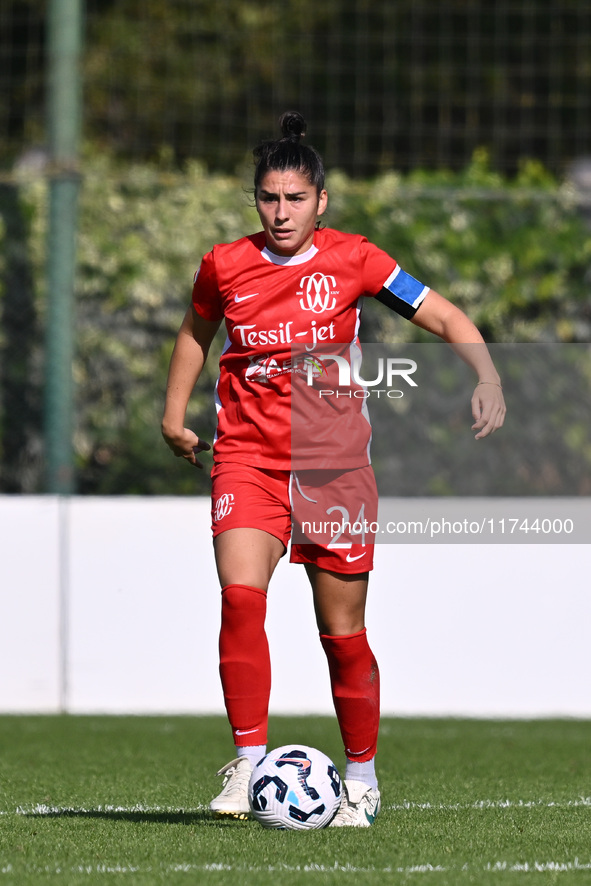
[245, 666]
[355, 682]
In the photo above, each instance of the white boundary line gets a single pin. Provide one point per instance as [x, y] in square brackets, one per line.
[491, 804]
[406, 806]
[499, 867]
[41, 809]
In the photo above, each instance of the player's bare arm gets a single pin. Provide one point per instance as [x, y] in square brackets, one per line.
[188, 358]
[439, 316]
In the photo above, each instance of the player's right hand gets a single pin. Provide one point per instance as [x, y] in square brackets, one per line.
[186, 444]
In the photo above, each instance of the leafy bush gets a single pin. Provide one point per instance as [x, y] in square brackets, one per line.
[516, 255]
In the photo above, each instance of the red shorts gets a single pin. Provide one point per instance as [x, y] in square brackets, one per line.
[328, 515]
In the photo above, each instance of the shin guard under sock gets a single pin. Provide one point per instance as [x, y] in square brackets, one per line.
[355, 683]
[245, 667]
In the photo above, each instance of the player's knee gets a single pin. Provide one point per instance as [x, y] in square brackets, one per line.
[236, 597]
[244, 609]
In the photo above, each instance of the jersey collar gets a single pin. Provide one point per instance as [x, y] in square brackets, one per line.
[289, 259]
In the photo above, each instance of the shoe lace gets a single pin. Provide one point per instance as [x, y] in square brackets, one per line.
[235, 781]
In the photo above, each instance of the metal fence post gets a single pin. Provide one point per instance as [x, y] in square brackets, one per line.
[64, 114]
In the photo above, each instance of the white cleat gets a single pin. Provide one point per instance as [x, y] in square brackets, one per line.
[359, 807]
[233, 798]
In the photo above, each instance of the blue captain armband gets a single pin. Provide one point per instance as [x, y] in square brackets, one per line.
[402, 293]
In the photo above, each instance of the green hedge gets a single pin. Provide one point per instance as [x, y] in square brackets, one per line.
[516, 255]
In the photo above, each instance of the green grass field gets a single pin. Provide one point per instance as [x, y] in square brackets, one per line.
[113, 800]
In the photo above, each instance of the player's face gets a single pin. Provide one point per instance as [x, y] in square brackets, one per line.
[288, 206]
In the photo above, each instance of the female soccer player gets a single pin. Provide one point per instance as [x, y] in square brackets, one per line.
[296, 284]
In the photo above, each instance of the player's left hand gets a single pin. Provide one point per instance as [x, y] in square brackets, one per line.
[186, 444]
[488, 409]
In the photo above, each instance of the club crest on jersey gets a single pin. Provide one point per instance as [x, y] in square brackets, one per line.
[223, 506]
[318, 293]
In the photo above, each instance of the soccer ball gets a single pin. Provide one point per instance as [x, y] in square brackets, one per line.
[295, 787]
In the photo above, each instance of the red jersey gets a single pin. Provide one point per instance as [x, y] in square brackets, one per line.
[278, 309]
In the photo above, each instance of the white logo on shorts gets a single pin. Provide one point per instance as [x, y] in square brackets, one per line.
[223, 506]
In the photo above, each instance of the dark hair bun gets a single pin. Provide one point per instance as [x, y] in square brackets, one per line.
[292, 125]
[288, 152]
